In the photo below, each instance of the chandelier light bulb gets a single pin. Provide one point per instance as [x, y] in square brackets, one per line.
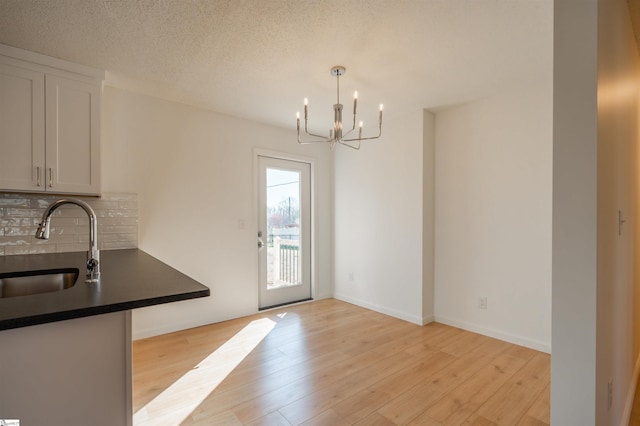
[355, 95]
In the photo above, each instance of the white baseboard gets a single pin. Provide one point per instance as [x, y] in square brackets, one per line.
[143, 333]
[486, 331]
[382, 309]
[428, 318]
[631, 393]
[497, 334]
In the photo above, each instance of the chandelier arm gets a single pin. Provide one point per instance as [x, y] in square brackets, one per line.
[347, 134]
[306, 132]
[368, 138]
[349, 145]
[316, 136]
[364, 139]
[360, 139]
[323, 140]
[312, 142]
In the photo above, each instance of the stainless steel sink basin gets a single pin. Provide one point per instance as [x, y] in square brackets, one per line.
[35, 282]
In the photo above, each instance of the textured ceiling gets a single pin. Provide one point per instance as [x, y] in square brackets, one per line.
[258, 59]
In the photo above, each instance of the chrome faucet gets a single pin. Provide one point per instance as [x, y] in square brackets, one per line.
[93, 255]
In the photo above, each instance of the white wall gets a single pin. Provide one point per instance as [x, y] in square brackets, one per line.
[596, 70]
[573, 364]
[378, 221]
[493, 216]
[428, 214]
[194, 172]
[618, 74]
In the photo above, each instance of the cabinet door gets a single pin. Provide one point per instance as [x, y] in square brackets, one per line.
[73, 136]
[22, 140]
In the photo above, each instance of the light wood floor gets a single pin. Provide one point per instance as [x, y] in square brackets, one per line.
[332, 363]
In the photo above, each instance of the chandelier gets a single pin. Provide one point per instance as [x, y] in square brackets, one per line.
[336, 134]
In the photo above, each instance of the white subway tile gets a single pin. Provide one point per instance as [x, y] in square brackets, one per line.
[120, 196]
[19, 221]
[117, 245]
[30, 249]
[13, 231]
[17, 212]
[20, 215]
[67, 247]
[14, 201]
[133, 221]
[113, 237]
[118, 229]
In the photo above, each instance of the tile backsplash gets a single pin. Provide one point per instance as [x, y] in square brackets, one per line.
[20, 214]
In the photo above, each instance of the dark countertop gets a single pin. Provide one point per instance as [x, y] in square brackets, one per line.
[129, 279]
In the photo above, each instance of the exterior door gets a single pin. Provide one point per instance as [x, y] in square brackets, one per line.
[284, 231]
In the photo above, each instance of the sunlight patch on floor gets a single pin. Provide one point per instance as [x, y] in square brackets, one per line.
[178, 401]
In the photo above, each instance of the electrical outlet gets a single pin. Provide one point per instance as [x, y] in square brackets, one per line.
[482, 302]
[609, 394]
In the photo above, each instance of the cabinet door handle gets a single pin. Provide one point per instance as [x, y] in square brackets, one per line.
[50, 177]
[38, 176]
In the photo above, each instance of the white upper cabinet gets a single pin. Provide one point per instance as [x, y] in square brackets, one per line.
[72, 135]
[49, 124]
[22, 146]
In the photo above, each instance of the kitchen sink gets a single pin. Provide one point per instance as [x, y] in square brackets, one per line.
[15, 284]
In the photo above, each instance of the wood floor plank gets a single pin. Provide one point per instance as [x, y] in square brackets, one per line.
[362, 404]
[280, 398]
[281, 381]
[324, 398]
[326, 418]
[437, 342]
[226, 418]
[418, 399]
[375, 419]
[416, 336]
[455, 407]
[512, 400]
[332, 363]
[271, 419]
[541, 410]
[476, 420]
[527, 420]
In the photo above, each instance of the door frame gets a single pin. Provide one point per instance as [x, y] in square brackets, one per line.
[261, 152]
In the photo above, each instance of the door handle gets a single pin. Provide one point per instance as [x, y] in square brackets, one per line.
[260, 242]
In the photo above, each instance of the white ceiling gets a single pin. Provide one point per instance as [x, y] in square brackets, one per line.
[258, 59]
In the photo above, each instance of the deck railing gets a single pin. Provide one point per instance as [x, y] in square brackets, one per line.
[286, 261]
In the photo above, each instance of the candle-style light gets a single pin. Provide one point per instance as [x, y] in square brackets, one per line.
[336, 134]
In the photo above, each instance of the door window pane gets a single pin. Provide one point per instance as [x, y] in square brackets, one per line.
[283, 228]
